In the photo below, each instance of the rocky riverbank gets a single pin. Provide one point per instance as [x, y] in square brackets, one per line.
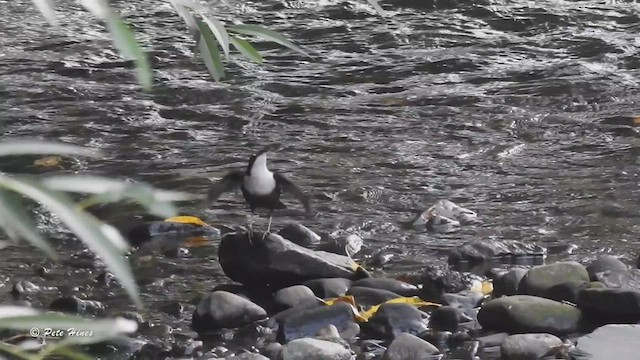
[298, 295]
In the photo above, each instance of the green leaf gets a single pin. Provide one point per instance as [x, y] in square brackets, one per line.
[36, 147]
[45, 8]
[270, 35]
[15, 220]
[377, 7]
[209, 49]
[129, 47]
[104, 240]
[181, 8]
[246, 49]
[219, 31]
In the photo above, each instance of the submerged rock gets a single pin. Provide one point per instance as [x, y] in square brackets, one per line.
[293, 295]
[444, 212]
[437, 281]
[610, 342]
[329, 287]
[605, 263]
[540, 279]
[278, 262]
[396, 286]
[524, 313]
[493, 250]
[299, 234]
[528, 346]
[309, 322]
[314, 349]
[221, 309]
[393, 319]
[406, 346]
[74, 305]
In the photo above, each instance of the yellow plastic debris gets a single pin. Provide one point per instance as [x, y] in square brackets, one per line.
[414, 300]
[487, 287]
[187, 220]
[348, 299]
[196, 241]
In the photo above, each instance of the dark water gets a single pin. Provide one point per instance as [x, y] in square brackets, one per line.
[513, 109]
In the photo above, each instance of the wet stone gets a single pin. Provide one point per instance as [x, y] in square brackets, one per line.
[393, 319]
[610, 342]
[493, 250]
[293, 295]
[540, 279]
[523, 314]
[467, 299]
[345, 245]
[299, 234]
[507, 284]
[395, 286]
[314, 349]
[611, 305]
[309, 322]
[445, 318]
[173, 308]
[221, 309]
[406, 346]
[605, 263]
[368, 297]
[24, 287]
[328, 288]
[627, 279]
[74, 305]
[528, 346]
[567, 291]
[437, 281]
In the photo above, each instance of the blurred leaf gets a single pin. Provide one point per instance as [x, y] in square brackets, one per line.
[123, 39]
[12, 310]
[14, 351]
[270, 35]
[219, 32]
[158, 202]
[209, 49]
[246, 49]
[101, 238]
[38, 147]
[129, 47]
[181, 8]
[16, 221]
[57, 349]
[45, 8]
[377, 7]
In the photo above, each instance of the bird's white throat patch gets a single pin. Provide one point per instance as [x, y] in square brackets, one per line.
[261, 180]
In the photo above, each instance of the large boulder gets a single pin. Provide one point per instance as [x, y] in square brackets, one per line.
[607, 305]
[625, 279]
[540, 279]
[529, 314]
[605, 263]
[507, 283]
[221, 309]
[277, 262]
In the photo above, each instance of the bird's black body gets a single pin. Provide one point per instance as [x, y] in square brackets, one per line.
[260, 187]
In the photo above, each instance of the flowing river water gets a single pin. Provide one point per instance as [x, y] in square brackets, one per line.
[521, 111]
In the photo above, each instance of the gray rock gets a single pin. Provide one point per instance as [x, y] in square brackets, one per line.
[293, 295]
[221, 309]
[493, 339]
[507, 284]
[309, 322]
[604, 263]
[328, 288]
[396, 286]
[350, 244]
[523, 314]
[393, 319]
[612, 304]
[438, 280]
[314, 349]
[273, 350]
[528, 346]
[445, 318]
[369, 297]
[467, 299]
[278, 262]
[488, 250]
[409, 347]
[567, 291]
[610, 342]
[627, 279]
[299, 234]
[540, 278]
[249, 356]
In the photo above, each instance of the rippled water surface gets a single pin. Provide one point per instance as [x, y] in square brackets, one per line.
[519, 110]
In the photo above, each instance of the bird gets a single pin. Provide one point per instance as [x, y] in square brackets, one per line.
[261, 188]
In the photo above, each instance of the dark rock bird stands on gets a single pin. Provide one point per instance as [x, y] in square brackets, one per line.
[260, 187]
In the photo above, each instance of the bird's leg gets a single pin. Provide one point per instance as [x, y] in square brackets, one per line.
[250, 227]
[269, 226]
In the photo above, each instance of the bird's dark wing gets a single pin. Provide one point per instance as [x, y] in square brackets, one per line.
[229, 182]
[292, 188]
